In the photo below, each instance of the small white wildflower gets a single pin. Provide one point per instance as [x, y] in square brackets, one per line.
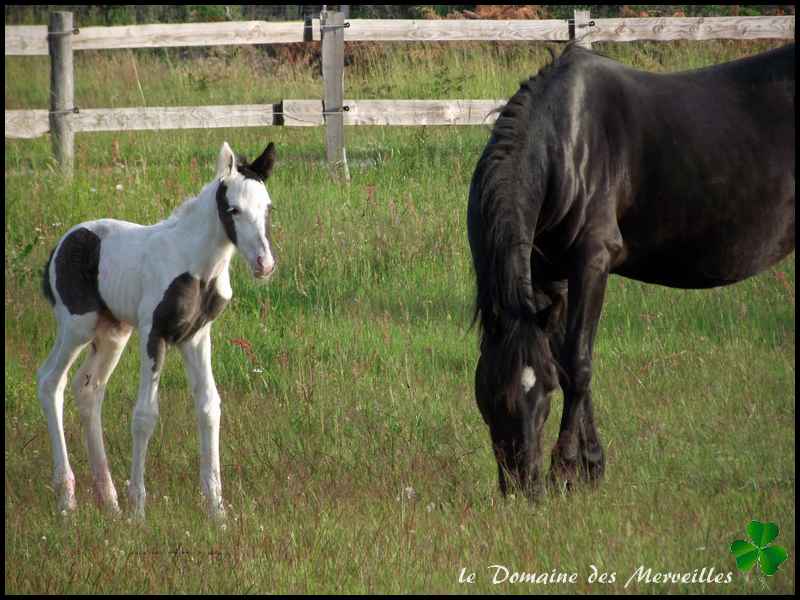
[409, 493]
[187, 534]
[93, 190]
[44, 537]
[119, 187]
[258, 370]
[431, 507]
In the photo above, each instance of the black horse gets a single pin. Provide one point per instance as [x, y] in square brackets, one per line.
[684, 180]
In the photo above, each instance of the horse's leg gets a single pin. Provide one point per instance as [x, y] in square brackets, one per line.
[145, 415]
[197, 358]
[90, 386]
[578, 445]
[592, 457]
[74, 333]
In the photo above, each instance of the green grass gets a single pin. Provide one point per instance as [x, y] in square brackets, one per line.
[366, 365]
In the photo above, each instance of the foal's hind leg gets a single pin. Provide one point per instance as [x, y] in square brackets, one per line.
[90, 386]
[74, 333]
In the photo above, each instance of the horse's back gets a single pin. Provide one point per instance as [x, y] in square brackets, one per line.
[696, 168]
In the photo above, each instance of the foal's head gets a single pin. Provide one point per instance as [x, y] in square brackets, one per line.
[244, 207]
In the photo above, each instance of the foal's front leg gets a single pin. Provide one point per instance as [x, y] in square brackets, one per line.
[197, 358]
[145, 414]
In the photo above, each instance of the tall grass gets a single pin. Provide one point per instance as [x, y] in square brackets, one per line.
[354, 458]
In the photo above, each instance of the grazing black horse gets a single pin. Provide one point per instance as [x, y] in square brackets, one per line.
[684, 180]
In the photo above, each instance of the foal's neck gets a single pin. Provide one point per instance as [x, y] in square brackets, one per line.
[207, 248]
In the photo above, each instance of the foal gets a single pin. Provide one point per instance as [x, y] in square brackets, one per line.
[170, 280]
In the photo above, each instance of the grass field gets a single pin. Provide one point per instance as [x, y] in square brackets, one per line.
[354, 458]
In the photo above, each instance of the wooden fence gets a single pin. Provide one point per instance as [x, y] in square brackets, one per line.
[60, 39]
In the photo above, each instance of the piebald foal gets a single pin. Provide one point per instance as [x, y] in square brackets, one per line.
[170, 280]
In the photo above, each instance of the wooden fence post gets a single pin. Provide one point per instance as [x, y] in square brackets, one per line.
[332, 29]
[582, 21]
[62, 89]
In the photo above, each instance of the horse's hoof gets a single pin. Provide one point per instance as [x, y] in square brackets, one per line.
[564, 475]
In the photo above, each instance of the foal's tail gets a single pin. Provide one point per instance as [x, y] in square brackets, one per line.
[501, 222]
[47, 289]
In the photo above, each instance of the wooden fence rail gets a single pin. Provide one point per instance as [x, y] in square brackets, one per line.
[289, 113]
[331, 111]
[22, 40]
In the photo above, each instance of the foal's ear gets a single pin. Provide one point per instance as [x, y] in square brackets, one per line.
[264, 163]
[226, 162]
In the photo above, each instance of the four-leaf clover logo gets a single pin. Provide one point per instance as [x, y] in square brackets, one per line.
[769, 557]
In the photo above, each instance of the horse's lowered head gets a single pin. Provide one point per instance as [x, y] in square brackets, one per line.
[514, 378]
[244, 207]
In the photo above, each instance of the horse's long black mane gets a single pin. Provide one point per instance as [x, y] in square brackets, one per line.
[508, 190]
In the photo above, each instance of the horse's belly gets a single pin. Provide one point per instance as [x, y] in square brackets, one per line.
[705, 262]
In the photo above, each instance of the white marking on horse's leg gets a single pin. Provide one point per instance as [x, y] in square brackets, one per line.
[528, 379]
[90, 386]
[145, 415]
[197, 358]
[73, 334]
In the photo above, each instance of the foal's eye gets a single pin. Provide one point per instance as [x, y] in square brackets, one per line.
[233, 210]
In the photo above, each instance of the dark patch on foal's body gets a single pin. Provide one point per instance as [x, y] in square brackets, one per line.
[77, 264]
[188, 304]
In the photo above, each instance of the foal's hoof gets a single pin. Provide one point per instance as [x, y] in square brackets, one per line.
[67, 505]
[112, 509]
[136, 500]
[106, 499]
[217, 514]
[66, 497]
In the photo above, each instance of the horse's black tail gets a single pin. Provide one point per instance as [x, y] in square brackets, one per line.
[501, 221]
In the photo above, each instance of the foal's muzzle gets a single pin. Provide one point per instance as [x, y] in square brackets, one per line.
[263, 269]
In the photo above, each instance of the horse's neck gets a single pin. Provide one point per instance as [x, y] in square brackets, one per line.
[206, 245]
